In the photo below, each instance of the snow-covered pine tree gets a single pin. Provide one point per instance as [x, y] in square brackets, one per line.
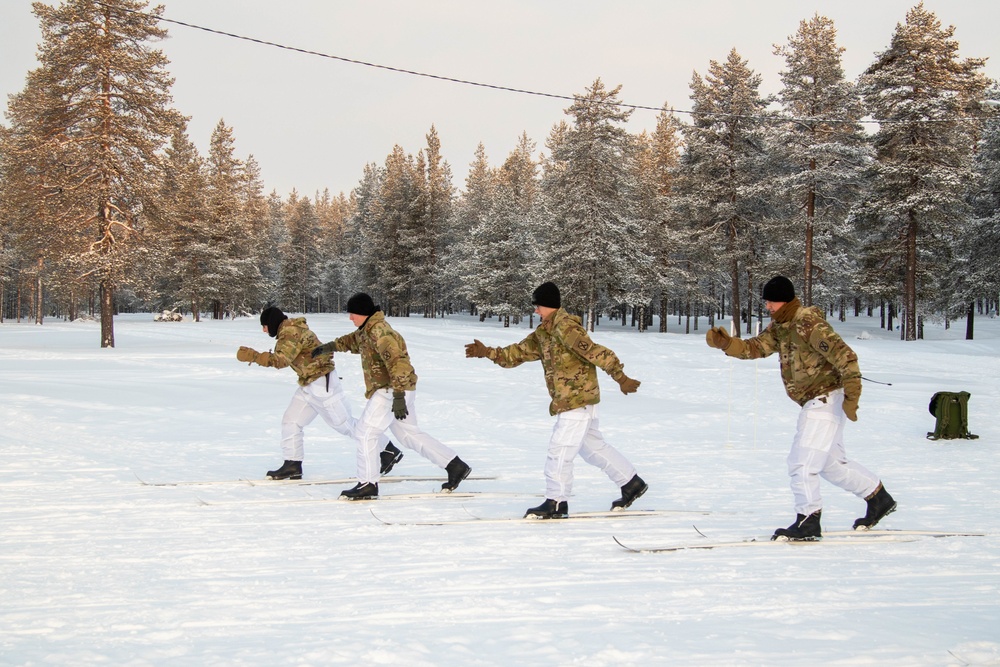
[722, 185]
[473, 203]
[300, 255]
[657, 160]
[432, 219]
[593, 250]
[923, 94]
[333, 214]
[979, 248]
[90, 125]
[231, 229]
[823, 151]
[362, 236]
[394, 231]
[187, 256]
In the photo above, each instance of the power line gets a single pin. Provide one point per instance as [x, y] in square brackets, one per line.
[522, 91]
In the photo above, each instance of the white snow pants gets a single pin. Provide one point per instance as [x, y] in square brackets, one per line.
[372, 424]
[578, 432]
[818, 451]
[308, 402]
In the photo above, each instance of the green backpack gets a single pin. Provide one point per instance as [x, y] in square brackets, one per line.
[951, 410]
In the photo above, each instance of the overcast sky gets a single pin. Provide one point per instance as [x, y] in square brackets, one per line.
[313, 122]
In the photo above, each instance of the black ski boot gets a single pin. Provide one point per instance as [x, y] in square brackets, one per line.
[361, 491]
[550, 509]
[288, 470]
[457, 471]
[805, 529]
[389, 456]
[633, 488]
[880, 503]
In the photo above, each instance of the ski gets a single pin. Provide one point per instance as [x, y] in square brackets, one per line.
[578, 516]
[432, 495]
[830, 538]
[391, 479]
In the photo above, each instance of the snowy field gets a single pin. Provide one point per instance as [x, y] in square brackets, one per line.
[97, 568]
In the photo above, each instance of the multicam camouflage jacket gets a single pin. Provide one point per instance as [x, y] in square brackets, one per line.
[814, 359]
[569, 359]
[294, 348]
[384, 359]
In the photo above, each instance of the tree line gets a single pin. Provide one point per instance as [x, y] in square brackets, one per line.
[879, 193]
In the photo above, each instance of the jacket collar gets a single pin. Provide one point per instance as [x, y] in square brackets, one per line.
[787, 312]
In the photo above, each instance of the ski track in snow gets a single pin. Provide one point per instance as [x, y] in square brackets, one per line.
[99, 569]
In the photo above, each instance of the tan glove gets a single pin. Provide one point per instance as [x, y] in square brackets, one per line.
[476, 349]
[264, 359]
[247, 354]
[718, 337]
[628, 385]
[852, 393]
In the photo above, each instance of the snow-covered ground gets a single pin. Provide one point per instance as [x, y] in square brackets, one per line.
[97, 568]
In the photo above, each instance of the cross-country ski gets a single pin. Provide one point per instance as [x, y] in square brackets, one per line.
[578, 516]
[830, 538]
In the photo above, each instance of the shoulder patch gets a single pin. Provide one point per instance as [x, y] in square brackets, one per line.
[583, 345]
[824, 346]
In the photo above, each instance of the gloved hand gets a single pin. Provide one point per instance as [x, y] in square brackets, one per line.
[627, 384]
[263, 359]
[476, 349]
[399, 410]
[852, 393]
[247, 354]
[718, 337]
[325, 348]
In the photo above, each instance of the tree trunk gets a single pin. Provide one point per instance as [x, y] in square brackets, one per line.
[970, 321]
[910, 281]
[107, 313]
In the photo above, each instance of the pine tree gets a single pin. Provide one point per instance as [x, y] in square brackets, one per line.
[188, 257]
[90, 125]
[979, 248]
[589, 184]
[824, 151]
[394, 227]
[923, 96]
[657, 161]
[721, 184]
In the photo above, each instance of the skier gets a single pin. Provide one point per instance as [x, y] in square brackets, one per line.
[820, 372]
[319, 392]
[390, 383]
[569, 359]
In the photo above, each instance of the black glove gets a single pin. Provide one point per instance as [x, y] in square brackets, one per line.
[325, 348]
[399, 410]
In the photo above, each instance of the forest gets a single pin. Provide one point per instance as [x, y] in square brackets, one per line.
[879, 195]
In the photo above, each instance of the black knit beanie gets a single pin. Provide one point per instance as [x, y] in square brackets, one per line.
[778, 289]
[361, 304]
[547, 295]
[272, 317]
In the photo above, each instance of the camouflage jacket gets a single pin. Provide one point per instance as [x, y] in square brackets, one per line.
[569, 359]
[814, 359]
[384, 359]
[294, 348]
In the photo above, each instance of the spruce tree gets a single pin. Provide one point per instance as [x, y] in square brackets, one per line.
[823, 149]
[923, 95]
[721, 184]
[593, 249]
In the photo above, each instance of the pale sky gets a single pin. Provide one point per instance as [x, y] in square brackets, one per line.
[314, 123]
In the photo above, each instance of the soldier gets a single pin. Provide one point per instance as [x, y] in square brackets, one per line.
[821, 373]
[569, 359]
[319, 392]
[390, 384]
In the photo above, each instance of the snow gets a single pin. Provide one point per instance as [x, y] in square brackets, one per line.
[98, 568]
